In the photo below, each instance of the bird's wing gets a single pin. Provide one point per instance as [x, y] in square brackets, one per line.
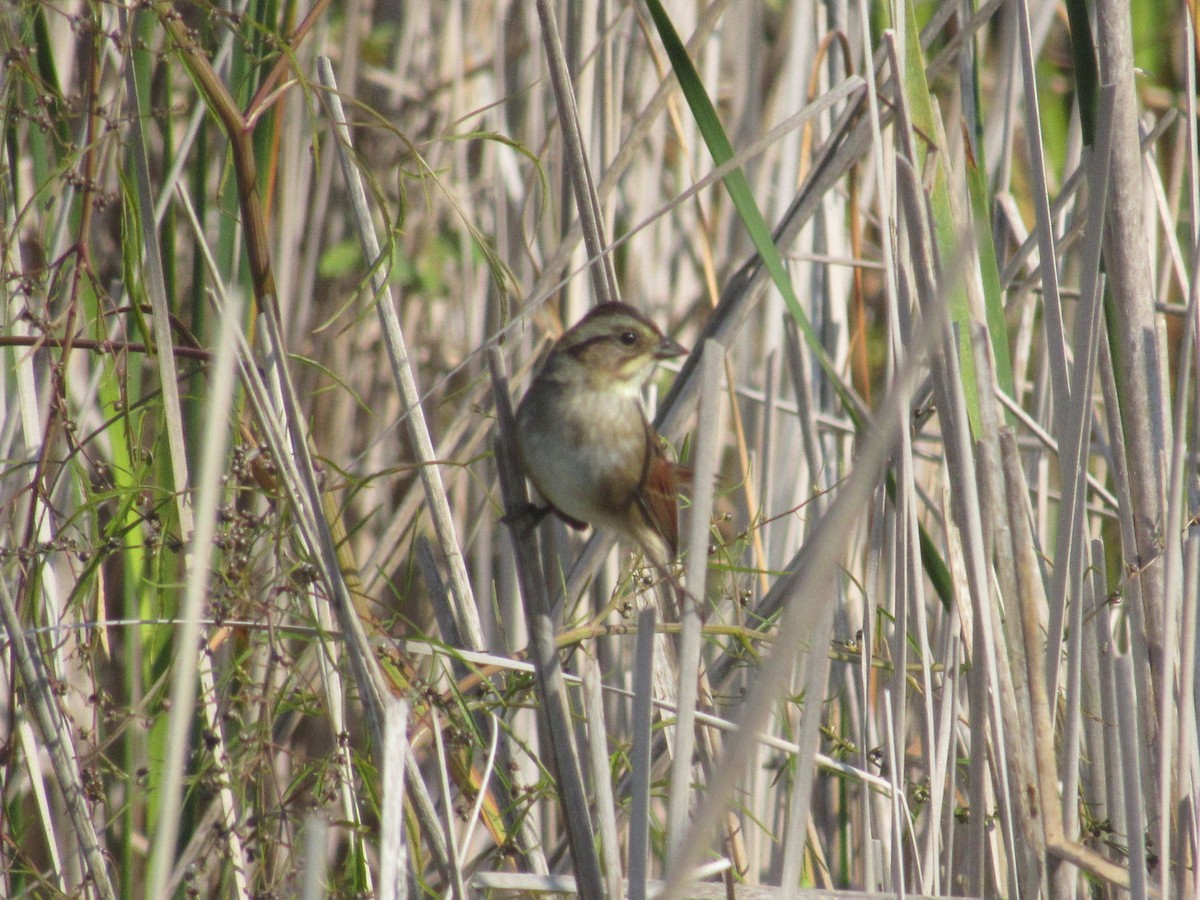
[658, 499]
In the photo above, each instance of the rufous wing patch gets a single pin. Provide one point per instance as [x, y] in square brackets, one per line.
[659, 497]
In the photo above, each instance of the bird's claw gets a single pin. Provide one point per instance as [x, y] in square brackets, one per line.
[527, 515]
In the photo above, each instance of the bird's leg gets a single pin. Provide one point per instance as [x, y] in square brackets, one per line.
[527, 515]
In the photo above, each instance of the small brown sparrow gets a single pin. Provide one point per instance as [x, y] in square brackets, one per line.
[583, 437]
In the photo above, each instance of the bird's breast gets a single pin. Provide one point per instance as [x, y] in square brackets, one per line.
[585, 452]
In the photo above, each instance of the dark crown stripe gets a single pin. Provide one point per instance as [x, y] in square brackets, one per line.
[605, 310]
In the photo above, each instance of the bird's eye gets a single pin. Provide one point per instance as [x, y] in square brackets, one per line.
[628, 338]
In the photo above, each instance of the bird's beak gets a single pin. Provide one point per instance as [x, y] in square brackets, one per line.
[669, 349]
